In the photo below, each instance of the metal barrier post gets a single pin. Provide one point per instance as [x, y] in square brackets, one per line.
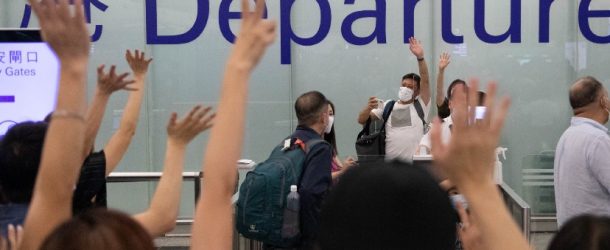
[514, 200]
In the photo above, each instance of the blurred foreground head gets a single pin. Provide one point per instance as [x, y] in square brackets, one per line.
[585, 232]
[99, 229]
[391, 206]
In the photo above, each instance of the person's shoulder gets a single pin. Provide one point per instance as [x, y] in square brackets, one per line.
[319, 143]
[421, 102]
[319, 148]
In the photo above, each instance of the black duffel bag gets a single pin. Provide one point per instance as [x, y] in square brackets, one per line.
[372, 145]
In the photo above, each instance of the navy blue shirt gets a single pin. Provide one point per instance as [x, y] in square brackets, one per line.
[314, 184]
[11, 214]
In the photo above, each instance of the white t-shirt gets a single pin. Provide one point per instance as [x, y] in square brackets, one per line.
[404, 129]
[425, 144]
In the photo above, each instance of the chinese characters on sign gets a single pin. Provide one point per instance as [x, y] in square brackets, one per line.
[18, 63]
[16, 57]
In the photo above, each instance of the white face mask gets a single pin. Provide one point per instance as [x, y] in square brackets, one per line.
[331, 120]
[458, 198]
[405, 94]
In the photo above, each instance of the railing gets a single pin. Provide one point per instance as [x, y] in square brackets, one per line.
[518, 208]
[155, 176]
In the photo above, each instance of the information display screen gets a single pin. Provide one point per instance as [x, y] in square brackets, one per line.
[29, 76]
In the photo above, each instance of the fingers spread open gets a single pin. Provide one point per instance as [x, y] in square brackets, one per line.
[112, 71]
[260, 9]
[245, 11]
[129, 55]
[79, 14]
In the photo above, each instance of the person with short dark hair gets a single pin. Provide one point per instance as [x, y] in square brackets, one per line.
[392, 205]
[582, 154]
[583, 232]
[313, 117]
[407, 120]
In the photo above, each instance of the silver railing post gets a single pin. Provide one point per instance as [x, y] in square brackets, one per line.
[515, 202]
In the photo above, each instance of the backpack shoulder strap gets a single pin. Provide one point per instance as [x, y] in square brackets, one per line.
[298, 143]
[313, 142]
[388, 110]
[420, 111]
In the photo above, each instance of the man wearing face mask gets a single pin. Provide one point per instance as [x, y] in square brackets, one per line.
[314, 119]
[407, 119]
[582, 157]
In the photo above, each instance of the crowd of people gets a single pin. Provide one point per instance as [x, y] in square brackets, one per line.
[53, 189]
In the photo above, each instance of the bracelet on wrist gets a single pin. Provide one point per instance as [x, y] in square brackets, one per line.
[420, 59]
[65, 114]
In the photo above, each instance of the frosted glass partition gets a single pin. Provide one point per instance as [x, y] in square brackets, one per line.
[349, 50]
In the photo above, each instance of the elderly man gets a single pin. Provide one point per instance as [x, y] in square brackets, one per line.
[582, 161]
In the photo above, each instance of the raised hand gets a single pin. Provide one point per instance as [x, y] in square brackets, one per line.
[184, 130]
[107, 83]
[468, 158]
[255, 35]
[348, 163]
[138, 62]
[444, 61]
[65, 33]
[373, 103]
[416, 48]
[468, 230]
